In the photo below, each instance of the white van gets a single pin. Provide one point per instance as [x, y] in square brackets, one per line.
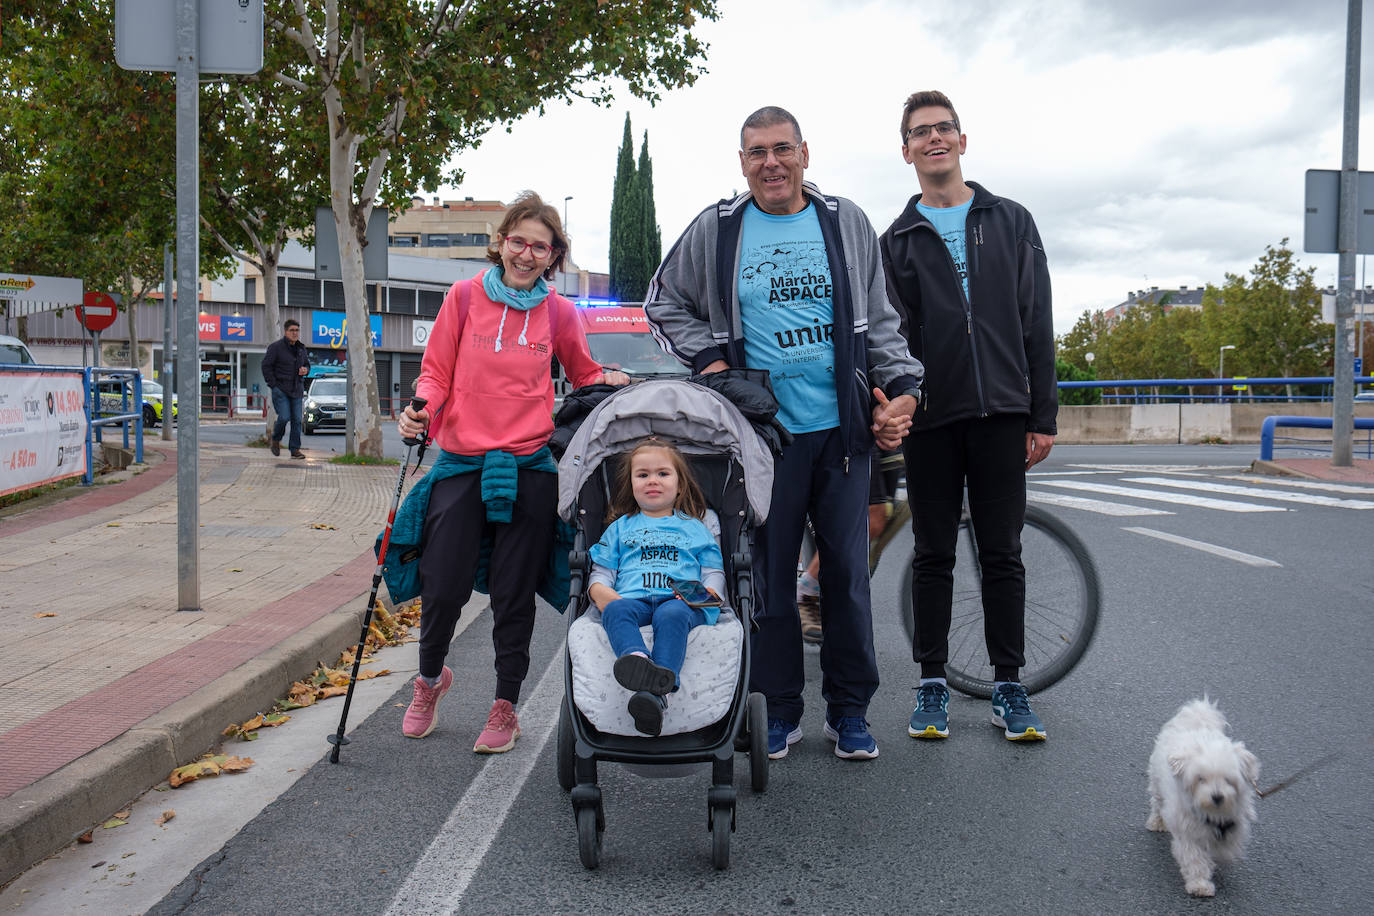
[15, 351]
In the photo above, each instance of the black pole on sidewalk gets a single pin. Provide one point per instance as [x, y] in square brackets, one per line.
[339, 739]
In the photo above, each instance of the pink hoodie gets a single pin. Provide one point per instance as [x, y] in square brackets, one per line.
[484, 399]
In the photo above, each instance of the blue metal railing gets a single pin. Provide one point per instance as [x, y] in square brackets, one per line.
[1154, 384]
[1267, 434]
[129, 412]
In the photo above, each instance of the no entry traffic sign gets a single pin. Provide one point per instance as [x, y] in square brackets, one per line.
[97, 311]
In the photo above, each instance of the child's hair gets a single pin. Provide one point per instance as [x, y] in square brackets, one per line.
[689, 500]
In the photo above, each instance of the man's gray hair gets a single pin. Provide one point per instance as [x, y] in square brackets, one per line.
[767, 117]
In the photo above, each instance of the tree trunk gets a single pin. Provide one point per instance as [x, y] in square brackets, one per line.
[272, 307]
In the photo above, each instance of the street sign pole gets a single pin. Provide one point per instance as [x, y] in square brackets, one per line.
[1342, 407]
[167, 321]
[188, 265]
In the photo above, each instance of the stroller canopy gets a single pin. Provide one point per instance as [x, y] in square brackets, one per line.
[697, 420]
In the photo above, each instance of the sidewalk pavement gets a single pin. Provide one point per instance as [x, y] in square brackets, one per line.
[110, 691]
[103, 700]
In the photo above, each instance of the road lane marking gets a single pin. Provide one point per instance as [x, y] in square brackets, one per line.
[1311, 499]
[1248, 559]
[1185, 499]
[1159, 468]
[441, 877]
[1100, 506]
[1302, 484]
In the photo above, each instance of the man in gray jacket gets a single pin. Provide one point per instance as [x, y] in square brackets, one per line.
[787, 279]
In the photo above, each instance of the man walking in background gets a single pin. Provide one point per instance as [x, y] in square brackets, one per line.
[284, 368]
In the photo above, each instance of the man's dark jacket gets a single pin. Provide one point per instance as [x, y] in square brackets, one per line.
[281, 367]
[991, 352]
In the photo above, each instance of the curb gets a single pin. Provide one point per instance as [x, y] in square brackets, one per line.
[1274, 469]
[43, 818]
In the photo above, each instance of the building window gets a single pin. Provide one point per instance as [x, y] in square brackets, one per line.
[403, 241]
[435, 240]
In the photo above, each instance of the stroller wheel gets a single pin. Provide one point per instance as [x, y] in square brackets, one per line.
[588, 838]
[722, 822]
[567, 776]
[757, 722]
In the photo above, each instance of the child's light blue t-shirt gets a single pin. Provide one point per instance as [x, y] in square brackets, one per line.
[787, 309]
[950, 223]
[646, 552]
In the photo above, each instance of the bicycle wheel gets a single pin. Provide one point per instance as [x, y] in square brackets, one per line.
[1063, 598]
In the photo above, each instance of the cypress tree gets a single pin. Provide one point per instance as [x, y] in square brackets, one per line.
[621, 203]
[650, 241]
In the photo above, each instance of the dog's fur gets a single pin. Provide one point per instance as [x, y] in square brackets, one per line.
[1202, 790]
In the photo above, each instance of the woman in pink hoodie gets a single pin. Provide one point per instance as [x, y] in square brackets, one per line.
[486, 379]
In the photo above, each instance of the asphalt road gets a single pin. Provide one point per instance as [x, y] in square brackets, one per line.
[972, 824]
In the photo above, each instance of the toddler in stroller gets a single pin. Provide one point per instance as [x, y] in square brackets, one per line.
[606, 714]
[656, 539]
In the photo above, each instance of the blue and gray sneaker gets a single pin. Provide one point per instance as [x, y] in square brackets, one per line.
[1011, 710]
[851, 737]
[781, 735]
[930, 718]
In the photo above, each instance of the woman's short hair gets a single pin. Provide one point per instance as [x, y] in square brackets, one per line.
[530, 205]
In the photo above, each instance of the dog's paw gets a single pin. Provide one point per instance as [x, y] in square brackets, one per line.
[1155, 822]
[1201, 887]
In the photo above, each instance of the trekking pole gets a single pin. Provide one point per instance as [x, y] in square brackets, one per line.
[338, 739]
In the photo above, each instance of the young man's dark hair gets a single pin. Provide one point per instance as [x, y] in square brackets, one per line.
[926, 98]
[290, 323]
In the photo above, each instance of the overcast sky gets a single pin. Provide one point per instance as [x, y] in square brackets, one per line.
[1157, 143]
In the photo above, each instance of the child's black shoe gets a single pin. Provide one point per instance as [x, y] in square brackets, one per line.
[636, 672]
[647, 710]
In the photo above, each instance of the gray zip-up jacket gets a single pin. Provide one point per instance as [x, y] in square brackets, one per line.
[693, 306]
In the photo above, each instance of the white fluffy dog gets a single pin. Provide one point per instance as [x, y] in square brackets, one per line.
[1202, 790]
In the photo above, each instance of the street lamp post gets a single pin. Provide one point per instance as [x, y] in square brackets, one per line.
[1221, 370]
[565, 212]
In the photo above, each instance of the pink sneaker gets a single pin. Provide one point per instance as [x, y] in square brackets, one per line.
[501, 731]
[422, 714]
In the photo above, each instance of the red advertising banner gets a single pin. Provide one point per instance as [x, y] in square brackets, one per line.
[42, 428]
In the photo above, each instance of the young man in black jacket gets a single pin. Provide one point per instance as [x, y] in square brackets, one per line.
[284, 368]
[967, 273]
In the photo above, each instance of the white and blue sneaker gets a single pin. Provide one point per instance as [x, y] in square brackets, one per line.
[1011, 710]
[930, 718]
[851, 737]
[782, 735]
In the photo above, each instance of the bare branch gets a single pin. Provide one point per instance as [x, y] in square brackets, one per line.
[439, 28]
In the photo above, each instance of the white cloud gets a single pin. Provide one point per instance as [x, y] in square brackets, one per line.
[1165, 140]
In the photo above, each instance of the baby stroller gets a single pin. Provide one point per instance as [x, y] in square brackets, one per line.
[713, 715]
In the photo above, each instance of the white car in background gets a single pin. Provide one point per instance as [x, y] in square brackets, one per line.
[14, 351]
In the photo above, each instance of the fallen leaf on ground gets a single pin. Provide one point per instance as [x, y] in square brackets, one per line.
[86, 837]
[114, 822]
[210, 765]
[321, 526]
[45, 614]
[165, 817]
[235, 569]
[124, 814]
[112, 525]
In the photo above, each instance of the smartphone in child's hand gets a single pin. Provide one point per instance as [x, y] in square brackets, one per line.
[694, 593]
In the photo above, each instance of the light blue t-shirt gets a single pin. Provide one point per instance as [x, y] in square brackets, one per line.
[787, 309]
[646, 552]
[950, 223]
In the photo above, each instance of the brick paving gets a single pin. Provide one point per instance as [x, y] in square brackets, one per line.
[104, 563]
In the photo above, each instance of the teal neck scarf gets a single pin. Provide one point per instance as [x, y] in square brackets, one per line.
[520, 299]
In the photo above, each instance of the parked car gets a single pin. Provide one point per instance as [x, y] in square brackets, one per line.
[619, 338]
[112, 393]
[1365, 396]
[326, 405]
[15, 351]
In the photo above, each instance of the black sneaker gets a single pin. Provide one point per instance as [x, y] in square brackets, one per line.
[647, 710]
[297, 453]
[275, 446]
[637, 672]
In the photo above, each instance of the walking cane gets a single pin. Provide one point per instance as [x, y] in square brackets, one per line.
[338, 739]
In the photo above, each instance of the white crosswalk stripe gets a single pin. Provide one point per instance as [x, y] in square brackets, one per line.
[1249, 559]
[1184, 499]
[1100, 506]
[1311, 499]
[1303, 484]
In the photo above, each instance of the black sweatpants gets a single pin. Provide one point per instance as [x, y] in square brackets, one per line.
[454, 526]
[990, 454]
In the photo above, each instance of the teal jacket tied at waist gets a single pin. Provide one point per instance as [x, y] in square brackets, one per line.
[500, 476]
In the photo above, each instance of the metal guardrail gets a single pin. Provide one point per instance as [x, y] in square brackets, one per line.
[130, 413]
[1154, 384]
[1268, 435]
